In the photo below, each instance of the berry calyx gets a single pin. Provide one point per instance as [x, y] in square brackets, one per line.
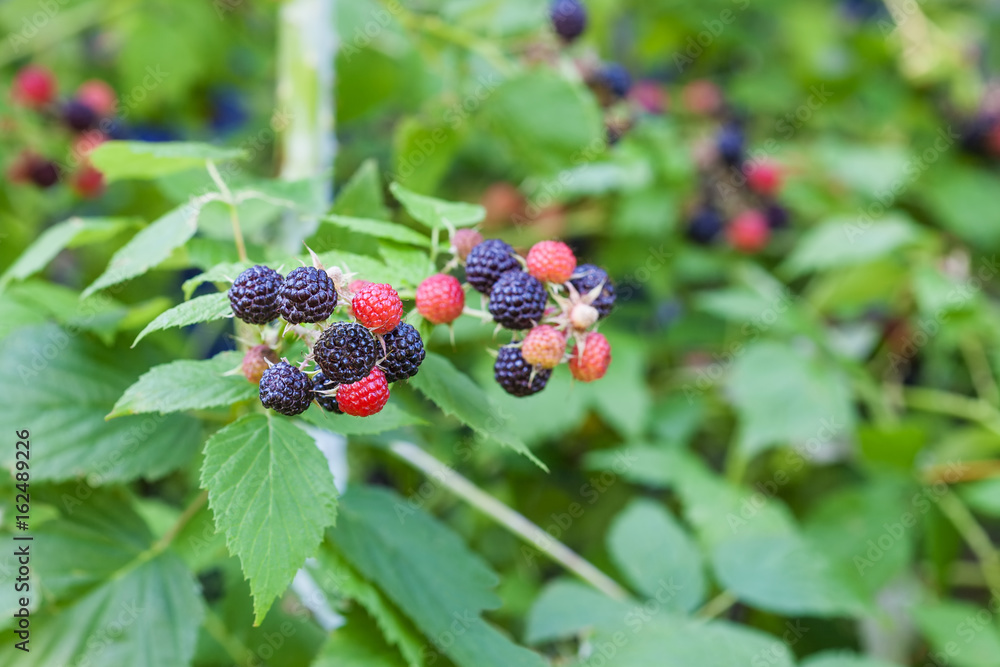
[365, 397]
[516, 376]
[254, 295]
[586, 279]
[257, 360]
[324, 392]
[748, 232]
[518, 300]
[583, 316]
[34, 87]
[378, 307]
[544, 346]
[590, 358]
[464, 240]
[307, 295]
[487, 262]
[763, 177]
[285, 389]
[346, 352]
[551, 261]
[569, 19]
[404, 353]
[440, 299]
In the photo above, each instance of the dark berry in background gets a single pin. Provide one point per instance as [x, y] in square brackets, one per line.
[730, 143]
[616, 79]
[588, 277]
[79, 117]
[254, 295]
[569, 19]
[705, 226]
[514, 374]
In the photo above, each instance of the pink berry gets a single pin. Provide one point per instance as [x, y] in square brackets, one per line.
[99, 96]
[763, 177]
[593, 362]
[749, 232]
[544, 346]
[551, 261]
[34, 87]
[440, 299]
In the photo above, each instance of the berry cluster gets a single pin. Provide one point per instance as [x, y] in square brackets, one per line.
[738, 199]
[350, 363]
[546, 299]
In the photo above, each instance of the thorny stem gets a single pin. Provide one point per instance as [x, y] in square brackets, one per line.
[510, 519]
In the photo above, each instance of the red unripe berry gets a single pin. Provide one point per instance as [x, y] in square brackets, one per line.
[99, 96]
[702, 97]
[377, 307]
[503, 202]
[88, 182]
[365, 397]
[255, 362]
[34, 87]
[593, 362]
[551, 261]
[440, 298]
[749, 232]
[464, 240]
[650, 96]
[763, 177]
[544, 346]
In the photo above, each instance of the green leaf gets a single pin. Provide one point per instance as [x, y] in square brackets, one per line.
[983, 496]
[977, 219]
[57, 238]
[149, 247]
[843, 659]
[846, 241]
[423, 152]
[119, 160]
[565, 609]
[202, 309]
[361, 196]
[786, 575]
[272, 494]
[429, 573]
[568, 133]
[221, 273]
[456, 394]
[949, 624]
[783, 395]
[376, 228]
[437, 213]
[357, 644]
[74, 383]
[391, 417]
[187, 385]
[657, 556]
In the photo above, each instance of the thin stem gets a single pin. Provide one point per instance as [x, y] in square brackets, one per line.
[234, 216]
[956, 405]
[976, 537]
[161, 544]
[234, 648]
[435, 240]
[717, 606]
[980, 370]
[511, 520]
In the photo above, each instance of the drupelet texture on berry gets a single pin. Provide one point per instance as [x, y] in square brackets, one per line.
[518, 300]
[365, 397]
[588, 277]
[320, 385]
[378, 307]
[544, 346]
[487, 262]
[254, 295]
[404, 353]
[306, 296]
[285, 389]
[517, 376]
[440, 299]
[551, 261]
[569, 19]
[346, 352]
[593, 363]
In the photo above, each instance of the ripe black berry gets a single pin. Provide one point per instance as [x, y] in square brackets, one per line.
[43, 173]
[777, 216]
[514, 374]
[517, 300]
[285, 389]
[705, 225]
[346, 352]
[569, 19]
[616, 79]
[404, 353]
[307, 295]
[254, 295]
[321, 384]
[78, 116]
[487, 262]
[730, 144]
[586, 278]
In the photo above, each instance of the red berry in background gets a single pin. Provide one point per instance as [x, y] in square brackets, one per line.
[87, 141]
[503, 202]
[544, 346]
[749, 232]
[255, 362]
[593, 362]
[99, 96]
[88, 182]
[365, 397]
[551, 261]
[464, 240]
[650, 96]
[702, 97]
[440, 299]
[763, 177]
[34, 87]
[993, 140]
[377, 307]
